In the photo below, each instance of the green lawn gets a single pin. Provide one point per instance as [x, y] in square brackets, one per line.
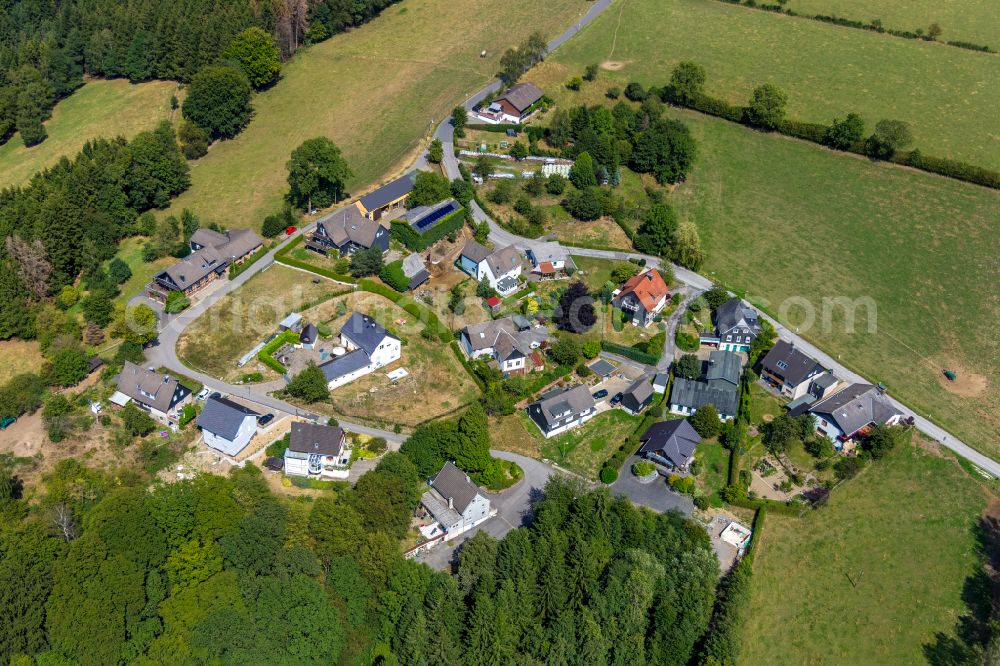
[764, 403]
[713, 470]
[948, 95]
[902, 532]
[376, 91]
[99, 108]
[969, 21]
[130, 251]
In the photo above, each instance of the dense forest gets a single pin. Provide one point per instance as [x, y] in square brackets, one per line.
[99, 570]
[47, 46]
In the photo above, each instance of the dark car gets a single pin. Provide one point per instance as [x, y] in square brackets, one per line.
[216, 395]
[264, 420]
[603, 393]
[617, 398]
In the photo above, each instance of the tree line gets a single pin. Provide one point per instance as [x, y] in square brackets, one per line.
[47, 47]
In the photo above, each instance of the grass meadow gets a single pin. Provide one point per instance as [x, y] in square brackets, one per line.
[969, 21]
[377, 92]
[947, 94]
[99, 109]
[874, 575]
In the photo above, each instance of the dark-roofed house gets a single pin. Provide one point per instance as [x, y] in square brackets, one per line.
[226, 425]
[723, 370]
[308, 336]
[671, 443]
[423, 218]
[562, 409]
[455, 501]
[736, 326]
[504, 341]
[852, 411]
[159, 394]
[388, 197]
[347, 230]
[637, 396]
[368, 347]
[642, 297]
[602, 368]
[414, 269]
[212, 253]
[789, 370]
[513, 106]
[822, 386]
[318, 451]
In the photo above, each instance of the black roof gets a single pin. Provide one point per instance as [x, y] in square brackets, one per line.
[364, 331]
[223, 417]
[388, 193]
[675, 440]
[339, 366]
[308, 335]
[788, 362]
[312, 438]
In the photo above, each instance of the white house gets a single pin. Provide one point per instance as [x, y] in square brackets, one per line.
[159, 394]
[227, 426]
[562, 409]
[851, 411]
[501, 267]
[642, 297]
[508, 340]
[318, 451]
[549, 259]
[368, 347]
[455, 502]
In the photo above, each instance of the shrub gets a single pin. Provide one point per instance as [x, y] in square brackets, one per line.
[392, 274]
[583, 371]
[575, 83]
[591, 348]
[635, 92]
[643, 468]
[614, 92]
[687, 341]
[377, 445]
[609, 475]
[701, 502]
[629, 352]
[276, 449]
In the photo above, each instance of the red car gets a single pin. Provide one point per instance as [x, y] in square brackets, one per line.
[290, 230]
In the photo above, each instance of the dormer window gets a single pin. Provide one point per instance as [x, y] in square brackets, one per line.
[781, 365]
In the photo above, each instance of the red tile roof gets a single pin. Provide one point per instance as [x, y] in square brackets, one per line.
[546, 267]
[493, 301]
[648, 287]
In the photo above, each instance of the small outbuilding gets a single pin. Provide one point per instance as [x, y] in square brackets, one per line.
[638, 396]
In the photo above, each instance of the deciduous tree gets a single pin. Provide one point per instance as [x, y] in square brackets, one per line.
[317, 174]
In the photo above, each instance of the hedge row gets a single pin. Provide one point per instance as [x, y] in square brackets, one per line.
[236, 269]
[418, 242]
[816, 133]
[421, 312]
[873, 26]
[629, 352]
[465, 364]
[282, 258]
[266, 355]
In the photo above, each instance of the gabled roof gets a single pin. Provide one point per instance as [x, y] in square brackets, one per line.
[676, 440]
[339, 366]
[309, 334]
[474, 251]
[218, 251]
[521, 95]
[647, 286]
[549, 252]
[855, 407]
[484, 335]
[388, 193]
[150, 388]
[508, 347]
[575, 400]
[788, 362]
[364, 332]
[503, 260]
[640, 390]
[209, 237]
[318, 439]
[194, 267]
[692, 394]
[453, 484]
[735, 312]
[223, 417]
[724, 366]
[349, 225]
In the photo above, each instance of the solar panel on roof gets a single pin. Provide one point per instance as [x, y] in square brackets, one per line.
[434, 216]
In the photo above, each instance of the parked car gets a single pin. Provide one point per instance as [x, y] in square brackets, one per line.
[265, 419]
[203, 394]
[603, 393]
[291, 230]
[6, 422]
[216, 395]
[617, 398]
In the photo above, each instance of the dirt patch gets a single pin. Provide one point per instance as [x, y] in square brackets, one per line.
[966, 384]
[767, 418]
[613, 65]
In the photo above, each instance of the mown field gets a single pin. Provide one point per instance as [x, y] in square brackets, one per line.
[99, 108]
[376, 91]
[947, 94]
[792, 224]
[970, 20]
[874, 575]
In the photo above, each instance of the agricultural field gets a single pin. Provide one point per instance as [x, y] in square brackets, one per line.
[229, 329]
[874, 575]
[99, 109]
[827, 71]
[974, 21]
[19, 356]
[376, 91]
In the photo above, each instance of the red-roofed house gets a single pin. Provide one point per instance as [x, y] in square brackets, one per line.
[643, 297]
[494, 303]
